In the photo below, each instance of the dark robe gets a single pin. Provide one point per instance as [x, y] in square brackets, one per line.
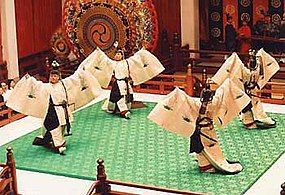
[230, 38]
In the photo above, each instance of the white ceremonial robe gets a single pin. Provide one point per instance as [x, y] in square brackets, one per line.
[31, 97]
[270, 67]
[234, 69]
[142, 67]
[178, 113]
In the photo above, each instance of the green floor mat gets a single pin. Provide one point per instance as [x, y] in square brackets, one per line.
[139, 151]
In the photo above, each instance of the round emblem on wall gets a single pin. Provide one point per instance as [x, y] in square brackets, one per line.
[215, 16]
[59, 44]
[245, 3]
[216, 32]
[99, 26]
[245, 17]
[230, 9]
[276, 18]
[131, 24]
[276, 3]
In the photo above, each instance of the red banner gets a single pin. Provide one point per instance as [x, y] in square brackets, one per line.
[230, 7]
[259, 5]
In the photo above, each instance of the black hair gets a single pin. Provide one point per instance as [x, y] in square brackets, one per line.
[229, 16]
[57, 72]
[121, 51]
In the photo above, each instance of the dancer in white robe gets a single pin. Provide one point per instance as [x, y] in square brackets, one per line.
[135, 70]
[189, 117]
[252, 78]
[53, 102]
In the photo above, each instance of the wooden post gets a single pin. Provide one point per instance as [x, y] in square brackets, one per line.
[11, 163]
[102, 185]
[177, 62]
[189, 81]
[47, 67]
[164, 45]
[204, 77]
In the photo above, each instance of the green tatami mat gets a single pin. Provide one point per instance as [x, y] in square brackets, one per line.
[139, 151]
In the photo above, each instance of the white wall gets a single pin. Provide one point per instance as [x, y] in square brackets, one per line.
[9, 37]
[190, 23]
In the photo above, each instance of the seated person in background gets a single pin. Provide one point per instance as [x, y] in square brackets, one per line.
[244, 35]
[282, 28]
[2, 99]
[4, 86]
[14, 82]
[259, 25]
[271, 29]
[7, 91]
[230, 35]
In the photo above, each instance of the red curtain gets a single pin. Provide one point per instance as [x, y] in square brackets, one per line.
[35, 23]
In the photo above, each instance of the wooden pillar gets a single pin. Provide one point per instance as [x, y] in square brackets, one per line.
[164, 45]
[190, 23]
[177, 61]
[102, 185]
[1, 47]
[9, 37]
[204, 77]
[11, 163]
[189, 81]
[47, 67]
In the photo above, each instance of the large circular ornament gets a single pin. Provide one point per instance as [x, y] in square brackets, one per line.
[245, 3]
[215, 16]
[59, 44]
[276, 18]
[276, 3]
[245, 17]
[216, 32]
[130, 24]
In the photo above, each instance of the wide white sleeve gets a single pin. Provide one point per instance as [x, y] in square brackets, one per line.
[269, 65]
[30, 97]
[100, 66]
[232, 68]
[177, 113]
[143, 66]
[228, 101]
[81, 88]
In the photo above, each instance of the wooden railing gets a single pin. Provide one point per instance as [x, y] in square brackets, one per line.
[273, 93]
[34, 64]
[164, 84]
[8, 115]
[8, 178]
[204, 59]
[102, 185]
[66, 67]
